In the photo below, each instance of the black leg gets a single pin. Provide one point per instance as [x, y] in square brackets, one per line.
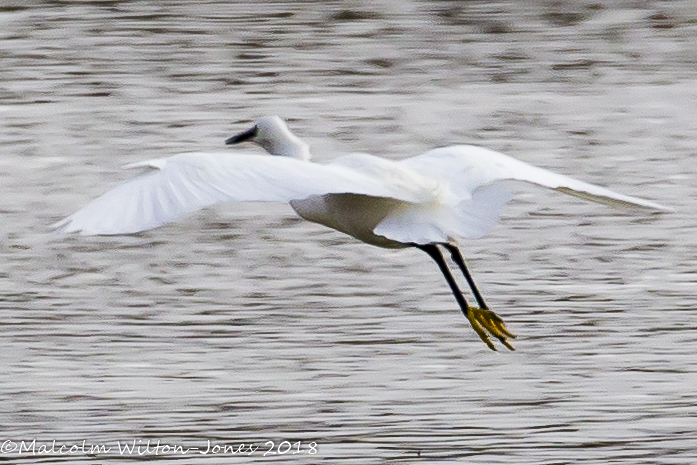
[435, 254]
[457, 258]
[482, 319]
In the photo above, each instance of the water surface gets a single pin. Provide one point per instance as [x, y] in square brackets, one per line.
[243, 324]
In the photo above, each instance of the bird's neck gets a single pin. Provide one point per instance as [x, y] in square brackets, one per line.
[291, 147]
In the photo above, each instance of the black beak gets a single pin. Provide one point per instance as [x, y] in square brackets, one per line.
[242, 136]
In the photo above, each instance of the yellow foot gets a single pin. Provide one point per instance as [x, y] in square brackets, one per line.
[485, 323]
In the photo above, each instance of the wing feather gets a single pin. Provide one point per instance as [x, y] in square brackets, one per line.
[475, 180]
[468, 168]
[185, 183]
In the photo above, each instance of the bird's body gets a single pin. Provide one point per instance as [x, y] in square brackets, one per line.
[436, 198]
[353, 214]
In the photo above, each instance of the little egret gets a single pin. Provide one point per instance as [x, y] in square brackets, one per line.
[431, 200]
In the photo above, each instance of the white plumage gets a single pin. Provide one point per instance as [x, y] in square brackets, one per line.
[438, 197]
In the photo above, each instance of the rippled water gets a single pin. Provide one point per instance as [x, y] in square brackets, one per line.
[244, 324]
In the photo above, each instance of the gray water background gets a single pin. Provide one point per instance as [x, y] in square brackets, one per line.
[245, 324]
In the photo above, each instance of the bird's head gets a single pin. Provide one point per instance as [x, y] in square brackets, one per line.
[273, 135]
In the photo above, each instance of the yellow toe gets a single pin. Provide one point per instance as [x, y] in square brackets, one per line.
[486, 323]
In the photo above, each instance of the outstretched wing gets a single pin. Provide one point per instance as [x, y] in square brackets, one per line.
[468, 168]
[188, 182]
[476, 180]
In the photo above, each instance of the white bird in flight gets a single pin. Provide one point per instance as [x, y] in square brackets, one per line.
[434, 199]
